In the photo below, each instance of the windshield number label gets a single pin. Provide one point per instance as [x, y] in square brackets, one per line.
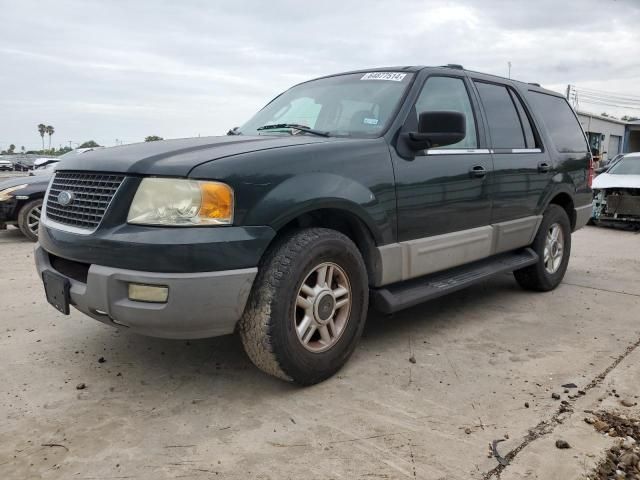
[391, 76]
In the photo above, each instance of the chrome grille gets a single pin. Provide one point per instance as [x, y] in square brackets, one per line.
[92, 194]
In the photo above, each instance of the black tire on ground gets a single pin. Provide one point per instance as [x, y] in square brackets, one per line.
[537, 277]
[268, 327]
[27, 217]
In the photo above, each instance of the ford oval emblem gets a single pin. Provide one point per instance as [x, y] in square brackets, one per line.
[65, 198]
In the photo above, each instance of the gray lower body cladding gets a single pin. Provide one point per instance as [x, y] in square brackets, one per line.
[200, 305]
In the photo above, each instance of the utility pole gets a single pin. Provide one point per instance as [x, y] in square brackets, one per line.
[70, 144]
[509, 64]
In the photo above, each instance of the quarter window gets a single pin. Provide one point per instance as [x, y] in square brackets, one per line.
[449, 94]
[505, 127]
[560, 121]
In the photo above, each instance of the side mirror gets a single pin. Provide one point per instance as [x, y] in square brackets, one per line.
[601, 170]
[437, 129]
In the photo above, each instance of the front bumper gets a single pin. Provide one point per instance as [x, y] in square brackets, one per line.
[200, 305]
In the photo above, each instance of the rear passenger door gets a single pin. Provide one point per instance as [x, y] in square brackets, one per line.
[522, 169]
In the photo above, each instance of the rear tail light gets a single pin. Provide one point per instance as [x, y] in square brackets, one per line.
[590, 172]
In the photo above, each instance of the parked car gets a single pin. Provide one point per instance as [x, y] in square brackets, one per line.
[6, 165]
[617, 192]
[21, 203]
[23, 165]
[396, 185]
[21, 198]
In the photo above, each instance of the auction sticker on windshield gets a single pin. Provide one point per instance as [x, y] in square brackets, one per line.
[393, 76]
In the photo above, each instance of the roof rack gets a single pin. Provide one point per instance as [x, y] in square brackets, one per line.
[534, 84]
[454, 65]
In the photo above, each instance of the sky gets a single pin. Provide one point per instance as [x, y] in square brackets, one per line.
[117, 71]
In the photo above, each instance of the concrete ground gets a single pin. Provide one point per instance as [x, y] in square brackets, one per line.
[487, 361]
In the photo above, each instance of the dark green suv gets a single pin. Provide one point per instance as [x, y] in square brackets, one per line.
[385, 187]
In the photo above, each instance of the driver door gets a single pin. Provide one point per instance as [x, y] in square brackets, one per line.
[443, 202]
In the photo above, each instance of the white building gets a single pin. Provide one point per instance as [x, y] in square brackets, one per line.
[605, 134]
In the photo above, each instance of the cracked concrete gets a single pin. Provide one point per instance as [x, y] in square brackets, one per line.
[166, 409]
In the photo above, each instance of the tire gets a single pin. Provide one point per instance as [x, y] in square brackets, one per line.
[270, 325]
[544, 276]
[29, 219]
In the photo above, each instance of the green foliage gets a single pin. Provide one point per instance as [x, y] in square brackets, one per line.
[89, 144]
[153, 138]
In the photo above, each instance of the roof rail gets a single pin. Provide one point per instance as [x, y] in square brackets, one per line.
[454, 65]
[534, 84]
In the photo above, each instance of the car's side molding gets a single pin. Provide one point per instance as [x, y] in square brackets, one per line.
[414, 258]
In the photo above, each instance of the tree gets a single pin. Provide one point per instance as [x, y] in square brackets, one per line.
[12, 148]
[152, 138]
[627, 118]
[42, 129]
[89, 144]
[50, 131]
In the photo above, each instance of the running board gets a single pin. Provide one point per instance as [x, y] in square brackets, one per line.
[398, 296]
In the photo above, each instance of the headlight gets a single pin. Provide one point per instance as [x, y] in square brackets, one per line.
[6, 193]
[172, 201]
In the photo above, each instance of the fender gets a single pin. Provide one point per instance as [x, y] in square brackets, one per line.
[560, 183]
[320, 190]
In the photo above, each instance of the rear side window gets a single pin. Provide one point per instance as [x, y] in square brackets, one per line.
[505, 126]
[560, 121]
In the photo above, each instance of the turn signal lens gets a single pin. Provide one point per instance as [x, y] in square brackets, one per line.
[217, 202]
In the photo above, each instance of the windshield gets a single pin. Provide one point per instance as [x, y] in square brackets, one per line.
[353, 105]
[626, 166]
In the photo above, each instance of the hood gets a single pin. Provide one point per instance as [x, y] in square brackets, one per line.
[178, 157]
[608, 180]
[25, 180]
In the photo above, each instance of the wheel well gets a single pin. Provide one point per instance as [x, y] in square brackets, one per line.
[565, 201]
[345, 223]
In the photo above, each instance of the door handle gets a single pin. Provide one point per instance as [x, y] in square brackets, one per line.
[543, 167]
[477, 171]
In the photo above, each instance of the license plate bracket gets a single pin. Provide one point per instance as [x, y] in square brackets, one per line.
[57, 290]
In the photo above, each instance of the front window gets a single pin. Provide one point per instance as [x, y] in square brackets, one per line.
[352, 105]
[626, 166]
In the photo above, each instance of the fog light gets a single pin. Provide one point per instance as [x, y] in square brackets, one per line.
[148, 293]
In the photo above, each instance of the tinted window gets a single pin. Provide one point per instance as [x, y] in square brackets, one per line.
[504, 124]
[524, 121]
[449, 94]
[560, 121]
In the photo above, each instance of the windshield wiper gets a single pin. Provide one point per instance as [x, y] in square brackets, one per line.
[294, 126]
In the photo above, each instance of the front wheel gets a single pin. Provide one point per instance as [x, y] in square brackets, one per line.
[553, 246]
[308, 306]
[29, 219]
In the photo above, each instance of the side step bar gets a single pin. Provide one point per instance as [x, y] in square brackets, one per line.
[398, 296]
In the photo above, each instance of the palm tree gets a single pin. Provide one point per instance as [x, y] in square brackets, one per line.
[42, 129]
[50, 131]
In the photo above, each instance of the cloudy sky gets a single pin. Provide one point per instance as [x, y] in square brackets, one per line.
[108, 70]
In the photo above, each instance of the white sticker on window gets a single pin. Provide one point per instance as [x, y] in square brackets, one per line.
[370, 121]
[392, 76]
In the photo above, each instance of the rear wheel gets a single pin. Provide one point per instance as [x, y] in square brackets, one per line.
[29, 219]
[553, 246]
[307, 308]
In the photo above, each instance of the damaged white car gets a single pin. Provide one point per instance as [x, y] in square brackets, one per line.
[617, 192]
